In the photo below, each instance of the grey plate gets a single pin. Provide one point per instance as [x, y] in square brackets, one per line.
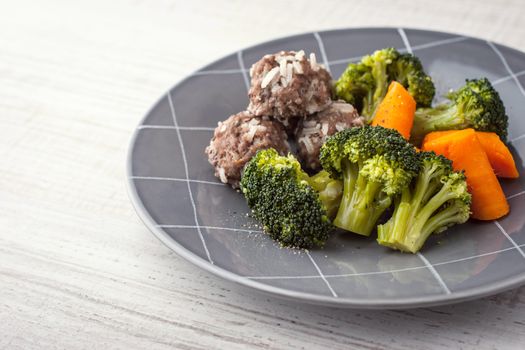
[175, 193]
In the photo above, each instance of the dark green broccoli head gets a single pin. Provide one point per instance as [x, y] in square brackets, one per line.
[356, 85]
[365, 84]
[281, 198]
[491, 116]
[375, 163]
[475, 105]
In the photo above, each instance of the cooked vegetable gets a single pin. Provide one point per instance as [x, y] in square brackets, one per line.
[329, 190]
[293, 208]
[497, 152]
[475, 105]
[375, 164]
[436, 135]
[364, 84]
[409, 72]
[437, 199]
[466, 153]
[396, 111]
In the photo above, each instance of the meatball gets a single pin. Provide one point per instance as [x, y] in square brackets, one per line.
[313, 130]
[236, 140]
[288, 85]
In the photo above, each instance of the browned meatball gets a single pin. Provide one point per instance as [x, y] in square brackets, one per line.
[237, 139]
[288, 85]
[313, 130]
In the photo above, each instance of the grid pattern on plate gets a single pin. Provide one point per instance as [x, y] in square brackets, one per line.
[426, 264]
[184, 159]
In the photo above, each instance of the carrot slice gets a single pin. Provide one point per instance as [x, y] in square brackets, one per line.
[467, 154]
[499, 155]
[442, 142]
[437, 134]
[397, 110]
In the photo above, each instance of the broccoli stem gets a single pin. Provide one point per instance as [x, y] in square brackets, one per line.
[379, 71]
[412, 224]
[350, 174]
[329, 191]
[444, 218]
[391, 232]
[374, 97]
[442, 117]
[331, 197]
[368, 106]
[406, 209]
[362, 203]
[403, 214]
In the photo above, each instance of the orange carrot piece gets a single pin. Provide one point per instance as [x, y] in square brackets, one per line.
[397, 110]
[499, 155]
[437, 134]
[441, 144]
[467, 154]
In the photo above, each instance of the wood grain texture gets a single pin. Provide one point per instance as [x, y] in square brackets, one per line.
[78, 270]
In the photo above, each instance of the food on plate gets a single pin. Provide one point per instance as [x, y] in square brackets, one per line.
[434, 135]
[475, 105]
[396, 111]
[466, 153]
[375, 164]
[290, 124]
[365, 84]
[237, 139]
[499, 155]
[288, 85]
[409, 72]
[363, 139]
[330, 191]
[437, 199]
[313, 130]
[293, 207]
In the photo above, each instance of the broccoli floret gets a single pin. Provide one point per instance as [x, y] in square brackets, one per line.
[365, 84]
[437, 199]
[356, 86]
[293, 207]
[408, 71]
[475, 105]
[374, 164]
[378, 63]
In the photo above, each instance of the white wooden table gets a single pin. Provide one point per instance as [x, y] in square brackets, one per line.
[77, 267]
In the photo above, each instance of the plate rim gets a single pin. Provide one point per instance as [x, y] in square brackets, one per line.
[297, 296]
